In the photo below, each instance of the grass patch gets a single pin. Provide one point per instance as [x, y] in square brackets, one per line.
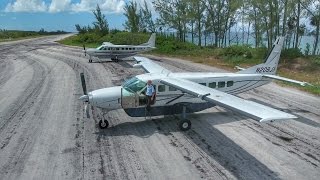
[13, 35]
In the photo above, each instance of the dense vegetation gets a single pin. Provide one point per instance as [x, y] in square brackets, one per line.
[200, 19]
[293, 63]
[6, 35]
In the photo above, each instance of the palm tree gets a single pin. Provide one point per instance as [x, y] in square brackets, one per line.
[315, 21]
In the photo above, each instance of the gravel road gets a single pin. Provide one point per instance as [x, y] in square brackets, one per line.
[44, 133]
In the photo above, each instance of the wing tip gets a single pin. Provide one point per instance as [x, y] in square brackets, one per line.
[277, 118]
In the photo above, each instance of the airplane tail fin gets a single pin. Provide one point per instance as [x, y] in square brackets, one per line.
[151, 42]
[271, 62]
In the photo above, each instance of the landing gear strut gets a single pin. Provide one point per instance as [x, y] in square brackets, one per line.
[184, 124]
[115, 59]
[103, 123]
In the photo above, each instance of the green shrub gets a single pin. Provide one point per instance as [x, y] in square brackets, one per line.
[316, 61]
[260, 53]
[236, 50]
[291, 53]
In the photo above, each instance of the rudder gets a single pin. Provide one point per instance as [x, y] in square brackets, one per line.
[270, 64]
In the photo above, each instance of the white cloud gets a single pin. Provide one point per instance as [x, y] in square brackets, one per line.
[59, 5]
[26, 6]
[107, 6]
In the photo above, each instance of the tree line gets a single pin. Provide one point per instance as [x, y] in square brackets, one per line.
[262, 20]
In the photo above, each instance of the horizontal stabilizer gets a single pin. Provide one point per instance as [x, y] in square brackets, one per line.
[285, 79]
[239, 68]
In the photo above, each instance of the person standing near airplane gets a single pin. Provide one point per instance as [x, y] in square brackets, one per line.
[150, 93]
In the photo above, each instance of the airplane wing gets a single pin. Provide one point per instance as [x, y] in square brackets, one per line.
[150, 66]
[285, 79]
[107, 43]
[249, 108]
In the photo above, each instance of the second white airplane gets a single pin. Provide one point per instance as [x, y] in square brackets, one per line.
[118, 52]
[182, 93]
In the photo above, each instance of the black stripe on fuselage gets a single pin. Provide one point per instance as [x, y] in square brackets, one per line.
[168, 109]
[242, 89]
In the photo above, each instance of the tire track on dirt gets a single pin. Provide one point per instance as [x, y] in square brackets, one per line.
[25, 144]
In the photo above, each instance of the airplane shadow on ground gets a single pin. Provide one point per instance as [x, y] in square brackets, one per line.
[121, 62]
[204, 136]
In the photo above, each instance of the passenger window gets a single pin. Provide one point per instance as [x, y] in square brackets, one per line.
[204, 84]
[221, 84]
[109, 49]
[117, 49]
[229, 83]
[126, 48]
[129, 48]
[172, 88]
[213, 85]
[161, 88]
[122, 48]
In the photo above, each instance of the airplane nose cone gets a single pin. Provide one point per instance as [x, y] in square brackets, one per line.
[84, 98]
[108, 98]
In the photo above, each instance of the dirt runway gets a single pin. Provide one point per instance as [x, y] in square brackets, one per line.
[44, 133]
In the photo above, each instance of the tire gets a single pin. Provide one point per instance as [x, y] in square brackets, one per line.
[184, 125]
[105, 125]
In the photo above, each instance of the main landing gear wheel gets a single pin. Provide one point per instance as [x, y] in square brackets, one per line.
[90, 60]
[103, 124]
[184, 124]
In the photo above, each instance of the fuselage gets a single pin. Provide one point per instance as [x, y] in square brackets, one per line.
[130, 96]
[117, 51]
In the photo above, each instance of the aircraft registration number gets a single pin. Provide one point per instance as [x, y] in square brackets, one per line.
[265, 69]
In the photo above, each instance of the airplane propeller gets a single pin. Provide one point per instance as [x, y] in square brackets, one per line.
[85, 97]
[85, 52]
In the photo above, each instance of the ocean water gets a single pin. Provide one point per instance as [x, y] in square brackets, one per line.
[237, 39]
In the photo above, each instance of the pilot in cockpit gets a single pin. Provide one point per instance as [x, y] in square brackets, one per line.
[150, 93]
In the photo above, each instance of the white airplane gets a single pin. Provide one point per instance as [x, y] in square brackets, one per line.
[182, 93]
[117, 52]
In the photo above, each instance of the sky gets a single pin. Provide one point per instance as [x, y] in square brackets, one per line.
[55, 15]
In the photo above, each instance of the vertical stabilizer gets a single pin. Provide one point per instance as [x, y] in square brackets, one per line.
[271, 62]
[151, 42]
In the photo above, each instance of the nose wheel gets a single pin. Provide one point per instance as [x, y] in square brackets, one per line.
[103, 124]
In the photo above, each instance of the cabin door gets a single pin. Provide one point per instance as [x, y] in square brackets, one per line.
[129, 99]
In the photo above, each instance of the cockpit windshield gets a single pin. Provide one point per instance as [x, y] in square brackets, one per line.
[134, 85]
[100, 48]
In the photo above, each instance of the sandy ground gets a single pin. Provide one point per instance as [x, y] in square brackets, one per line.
[44, 133]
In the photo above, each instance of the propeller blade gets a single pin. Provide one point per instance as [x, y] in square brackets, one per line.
[86, 108]
[83, 83]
